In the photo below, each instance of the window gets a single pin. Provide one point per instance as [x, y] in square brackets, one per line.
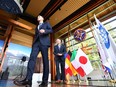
[89, 42]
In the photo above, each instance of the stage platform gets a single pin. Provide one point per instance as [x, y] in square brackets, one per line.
[37, 78]
[9, 83]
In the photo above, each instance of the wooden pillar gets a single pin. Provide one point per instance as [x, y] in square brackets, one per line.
[52, 58]
[6, 42]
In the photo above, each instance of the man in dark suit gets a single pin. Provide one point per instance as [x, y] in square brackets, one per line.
[59, 51]
[41, 43]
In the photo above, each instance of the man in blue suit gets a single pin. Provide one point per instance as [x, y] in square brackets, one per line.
[59, 51]
[41, 43]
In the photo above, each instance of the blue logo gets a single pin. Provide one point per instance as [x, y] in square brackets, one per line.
[104, 35]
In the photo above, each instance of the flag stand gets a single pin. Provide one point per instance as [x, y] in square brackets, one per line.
[112, 78]
[113, 73]
[90, 24]
[70, 43]
[111, 66]
[102, 70]
[112, 63]
[73, 48]
[110, 41]
[68, 76]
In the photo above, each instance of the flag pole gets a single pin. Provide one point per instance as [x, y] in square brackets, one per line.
[102, 70]
[71, 44]
[111, 61]
[94, 38]
[112, 77]
[68, 76]
[69, 36]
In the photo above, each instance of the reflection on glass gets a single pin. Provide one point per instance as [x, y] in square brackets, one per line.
[13, 60]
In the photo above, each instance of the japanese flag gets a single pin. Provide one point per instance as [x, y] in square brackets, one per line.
[82, 63]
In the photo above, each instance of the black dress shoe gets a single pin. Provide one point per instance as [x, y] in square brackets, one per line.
[43, 84]
[64, 82]
[23, 83]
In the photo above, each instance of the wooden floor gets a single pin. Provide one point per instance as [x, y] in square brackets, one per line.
[9, 83]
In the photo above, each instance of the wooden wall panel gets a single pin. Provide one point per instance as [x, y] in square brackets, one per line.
[21, 38]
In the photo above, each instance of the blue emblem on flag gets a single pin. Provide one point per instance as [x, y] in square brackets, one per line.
[104, 35]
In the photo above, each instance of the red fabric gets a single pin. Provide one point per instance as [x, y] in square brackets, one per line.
[81, 71]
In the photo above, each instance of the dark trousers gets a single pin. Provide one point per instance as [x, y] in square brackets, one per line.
[60, 63]
[36, 48]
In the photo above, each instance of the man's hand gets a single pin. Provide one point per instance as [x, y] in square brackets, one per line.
[42, 31]
[59, 54]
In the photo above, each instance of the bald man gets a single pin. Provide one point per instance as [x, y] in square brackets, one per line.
[59, 51]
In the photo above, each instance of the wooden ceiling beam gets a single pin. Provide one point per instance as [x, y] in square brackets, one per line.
[48, 11]
[78, 13]
[5, 13]
[51, 8]
[2, 38]
[25, 4]
[28, 17]
[14, 22]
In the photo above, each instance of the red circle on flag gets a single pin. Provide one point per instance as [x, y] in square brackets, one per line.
[83, 59]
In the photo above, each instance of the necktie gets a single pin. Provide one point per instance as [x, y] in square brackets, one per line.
[39, 26]
[59, 46]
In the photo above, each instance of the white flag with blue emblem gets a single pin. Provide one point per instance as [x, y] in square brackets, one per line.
[103, 55]
[107, 41]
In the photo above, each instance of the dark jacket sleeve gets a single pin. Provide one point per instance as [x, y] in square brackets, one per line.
[64, 50]
[36, 32]
[48, 29]
[43, 37]
[55, 51]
